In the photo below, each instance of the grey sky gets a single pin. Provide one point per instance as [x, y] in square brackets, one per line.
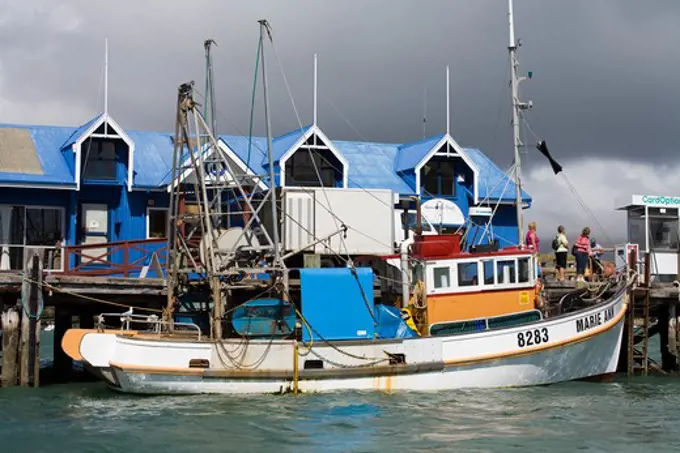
[604, 84]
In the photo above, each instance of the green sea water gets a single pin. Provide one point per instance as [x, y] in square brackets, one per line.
[636, 415]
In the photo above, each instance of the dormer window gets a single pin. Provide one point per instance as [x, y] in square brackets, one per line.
[99, 160]
[312, 157]
[438, 177]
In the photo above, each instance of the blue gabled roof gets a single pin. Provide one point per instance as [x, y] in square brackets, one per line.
[280, 145]
[257, 159]
[153, 158]
[371, 166]
[79, 131]
[492, 179]
[411, 154]
[47, 141]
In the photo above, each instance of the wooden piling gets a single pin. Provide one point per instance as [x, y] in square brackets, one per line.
[31, 300]
[10, 346]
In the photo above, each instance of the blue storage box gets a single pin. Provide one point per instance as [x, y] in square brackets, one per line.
[333, 303]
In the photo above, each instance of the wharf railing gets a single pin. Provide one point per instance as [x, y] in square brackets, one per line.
[131, 259]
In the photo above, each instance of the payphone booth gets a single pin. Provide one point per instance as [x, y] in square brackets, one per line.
[652, 225]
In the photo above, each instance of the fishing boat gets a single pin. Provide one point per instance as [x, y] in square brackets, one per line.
[468, 316]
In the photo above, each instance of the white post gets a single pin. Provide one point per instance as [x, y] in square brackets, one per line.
[106, 83]
[315, 90]
[106, 76]
[448, 103]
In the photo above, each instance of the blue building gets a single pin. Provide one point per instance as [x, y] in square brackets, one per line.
[97, 183]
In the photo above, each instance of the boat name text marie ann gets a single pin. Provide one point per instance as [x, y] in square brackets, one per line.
[594, 320]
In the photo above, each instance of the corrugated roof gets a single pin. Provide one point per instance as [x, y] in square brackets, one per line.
[492, 180]
[410, 154]
[17, 152]
[153, 158]
[47, 141]
[280, 145]
[79, 131]
[371, 166]
[256, 146]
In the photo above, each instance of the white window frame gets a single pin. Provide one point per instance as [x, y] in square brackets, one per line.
[156, 208]
[25, 246]
[453, 272]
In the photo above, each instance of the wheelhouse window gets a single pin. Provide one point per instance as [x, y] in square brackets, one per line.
[488, 268]
[523, 270]
[99, 159]
[468, 274]
[438, 177]
[441, 277]
[505, 270]
[158, 223]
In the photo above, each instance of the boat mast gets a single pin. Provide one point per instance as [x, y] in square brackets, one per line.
[517, 107]
[265, 28]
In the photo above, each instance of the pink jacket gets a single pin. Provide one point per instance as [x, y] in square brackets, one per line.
[583, 245]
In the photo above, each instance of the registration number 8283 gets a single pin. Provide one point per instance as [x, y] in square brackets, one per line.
[532, 337]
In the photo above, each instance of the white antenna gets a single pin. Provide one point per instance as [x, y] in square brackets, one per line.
[106, 76]
[315, 89]
[448, 102]
[425, 112]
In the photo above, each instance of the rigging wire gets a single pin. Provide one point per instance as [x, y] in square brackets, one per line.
[574, 192]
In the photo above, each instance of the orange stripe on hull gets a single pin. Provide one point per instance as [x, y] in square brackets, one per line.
[577, 339]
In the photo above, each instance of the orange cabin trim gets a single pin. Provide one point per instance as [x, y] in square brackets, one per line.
[462, 306]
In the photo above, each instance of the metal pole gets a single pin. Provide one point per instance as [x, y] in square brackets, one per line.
[514, 66]
[448, 104]
[264, 28]
[315, 91]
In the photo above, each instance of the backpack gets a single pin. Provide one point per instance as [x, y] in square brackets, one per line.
[556, 243]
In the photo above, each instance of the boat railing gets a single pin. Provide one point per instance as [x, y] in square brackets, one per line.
[157, 325]
[485, 324]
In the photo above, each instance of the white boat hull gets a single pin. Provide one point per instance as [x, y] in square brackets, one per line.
[577, 346]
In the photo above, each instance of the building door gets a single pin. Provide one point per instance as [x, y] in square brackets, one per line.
[95, 230]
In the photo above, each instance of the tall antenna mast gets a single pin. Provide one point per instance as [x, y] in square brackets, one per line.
[448, 103]
[517, 108]
[425, 111]
[106, 84]
[315, 91]
[265, 28]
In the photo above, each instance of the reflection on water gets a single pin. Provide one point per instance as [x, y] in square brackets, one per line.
[623, 416]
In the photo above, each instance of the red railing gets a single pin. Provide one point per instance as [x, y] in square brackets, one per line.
[124, 258]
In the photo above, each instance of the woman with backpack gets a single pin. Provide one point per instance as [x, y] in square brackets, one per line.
[561, 247]
[582, 252]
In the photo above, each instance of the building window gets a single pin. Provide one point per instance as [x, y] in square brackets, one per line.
[99, 159]
[468, 274]
[157, 219]
[663, 233]
[438, 177]
[24, 227]
[302, 167]
[441, 277]
[505, 270]
[488, 267]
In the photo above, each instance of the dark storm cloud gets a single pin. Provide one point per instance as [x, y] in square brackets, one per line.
[604, 82]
